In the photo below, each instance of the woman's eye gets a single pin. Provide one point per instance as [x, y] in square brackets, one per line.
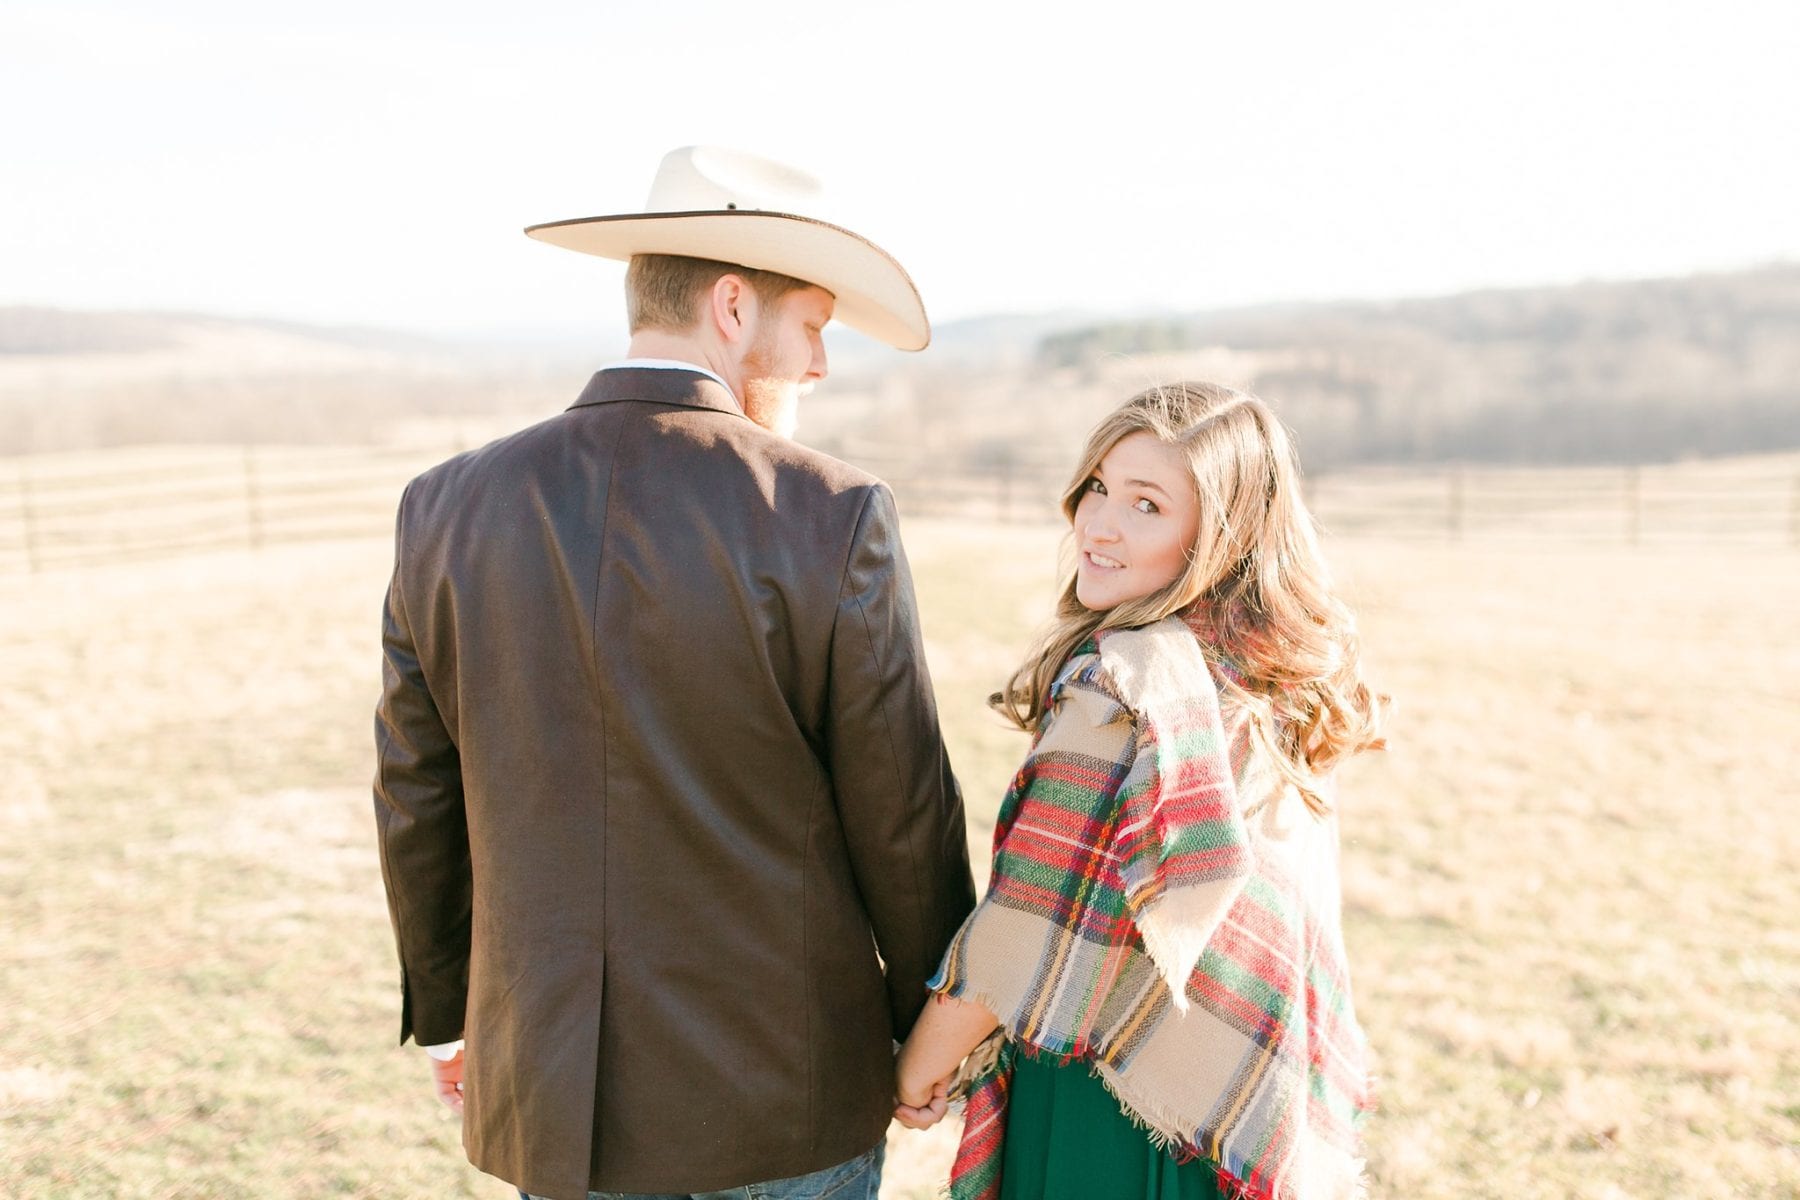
[1146, 505]
[1095, 486]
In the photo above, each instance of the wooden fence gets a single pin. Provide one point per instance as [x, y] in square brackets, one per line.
[114, 506]
[58, 511]
[1740, 503]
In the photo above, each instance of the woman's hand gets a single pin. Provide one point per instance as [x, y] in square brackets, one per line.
[921, 1109]
[946, 1031]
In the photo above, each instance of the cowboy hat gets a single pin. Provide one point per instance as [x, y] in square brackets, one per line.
[709, 202]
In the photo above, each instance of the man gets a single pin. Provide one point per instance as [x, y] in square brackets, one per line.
[660, 773]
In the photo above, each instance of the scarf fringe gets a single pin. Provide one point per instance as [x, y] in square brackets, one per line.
[1331, 1174]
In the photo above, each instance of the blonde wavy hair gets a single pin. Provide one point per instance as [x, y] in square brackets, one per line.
[1256, 588]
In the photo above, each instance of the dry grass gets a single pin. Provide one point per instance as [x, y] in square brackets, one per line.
[1569, 884]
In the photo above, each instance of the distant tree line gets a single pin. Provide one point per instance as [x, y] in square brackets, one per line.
[1622, 372]
[1637, 372]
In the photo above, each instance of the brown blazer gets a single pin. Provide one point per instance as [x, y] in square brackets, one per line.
[659, 774]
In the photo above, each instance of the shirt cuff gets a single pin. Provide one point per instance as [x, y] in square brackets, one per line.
[445, 1051]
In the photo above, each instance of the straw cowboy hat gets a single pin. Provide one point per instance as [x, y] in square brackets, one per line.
[740, 208]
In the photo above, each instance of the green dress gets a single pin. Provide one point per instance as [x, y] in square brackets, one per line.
[1068, 1139]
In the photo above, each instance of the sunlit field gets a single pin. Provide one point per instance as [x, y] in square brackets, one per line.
[1570, 882]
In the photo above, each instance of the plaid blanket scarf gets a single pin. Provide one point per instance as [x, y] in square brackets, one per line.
[1164, 908]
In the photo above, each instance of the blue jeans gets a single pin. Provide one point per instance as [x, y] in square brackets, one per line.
[858, 1179]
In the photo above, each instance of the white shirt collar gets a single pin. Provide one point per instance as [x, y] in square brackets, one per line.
[670, 364]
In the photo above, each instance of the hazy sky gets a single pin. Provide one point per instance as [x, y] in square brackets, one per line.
[373, 163]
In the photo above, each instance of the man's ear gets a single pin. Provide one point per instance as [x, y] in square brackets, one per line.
[731, 307]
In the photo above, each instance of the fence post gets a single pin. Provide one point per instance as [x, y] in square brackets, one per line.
[28, 518]
[252, 500]
[1633, 506]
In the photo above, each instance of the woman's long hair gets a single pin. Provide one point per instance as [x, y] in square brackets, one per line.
[1256, 589]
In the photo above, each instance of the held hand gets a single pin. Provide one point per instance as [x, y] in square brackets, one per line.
[929, 1109]
[448, 1078]
[945, 1033]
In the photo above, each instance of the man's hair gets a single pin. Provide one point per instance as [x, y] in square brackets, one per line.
[663, 291]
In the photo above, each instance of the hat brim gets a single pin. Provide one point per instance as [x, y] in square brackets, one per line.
[874, 293]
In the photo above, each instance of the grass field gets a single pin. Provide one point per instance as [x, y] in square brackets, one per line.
[1570, 884]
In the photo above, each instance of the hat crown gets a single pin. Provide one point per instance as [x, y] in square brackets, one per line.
[733, 207]
[702, 178]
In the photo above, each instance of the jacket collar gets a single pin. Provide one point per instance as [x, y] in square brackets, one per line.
[658, 385]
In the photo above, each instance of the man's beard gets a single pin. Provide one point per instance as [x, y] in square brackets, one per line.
[774, 404]
[769, 401]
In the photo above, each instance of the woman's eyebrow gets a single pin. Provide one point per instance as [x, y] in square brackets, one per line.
[1147, 484]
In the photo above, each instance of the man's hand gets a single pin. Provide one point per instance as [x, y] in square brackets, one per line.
[924, 1110]
[447, 1075]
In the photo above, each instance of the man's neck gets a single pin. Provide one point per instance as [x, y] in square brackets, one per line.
[656, 343]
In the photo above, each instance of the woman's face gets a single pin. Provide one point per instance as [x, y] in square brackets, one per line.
[1135, 523]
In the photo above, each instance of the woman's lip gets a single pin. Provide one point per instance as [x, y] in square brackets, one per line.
[1111, 564]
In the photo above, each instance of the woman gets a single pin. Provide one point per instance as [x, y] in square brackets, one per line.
[1159, 947]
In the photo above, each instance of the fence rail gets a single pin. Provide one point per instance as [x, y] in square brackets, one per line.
[153, 504]
[1743, 504]
[66, 513]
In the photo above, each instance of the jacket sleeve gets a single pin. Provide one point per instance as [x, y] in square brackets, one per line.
[901, 809]
[421, 829]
